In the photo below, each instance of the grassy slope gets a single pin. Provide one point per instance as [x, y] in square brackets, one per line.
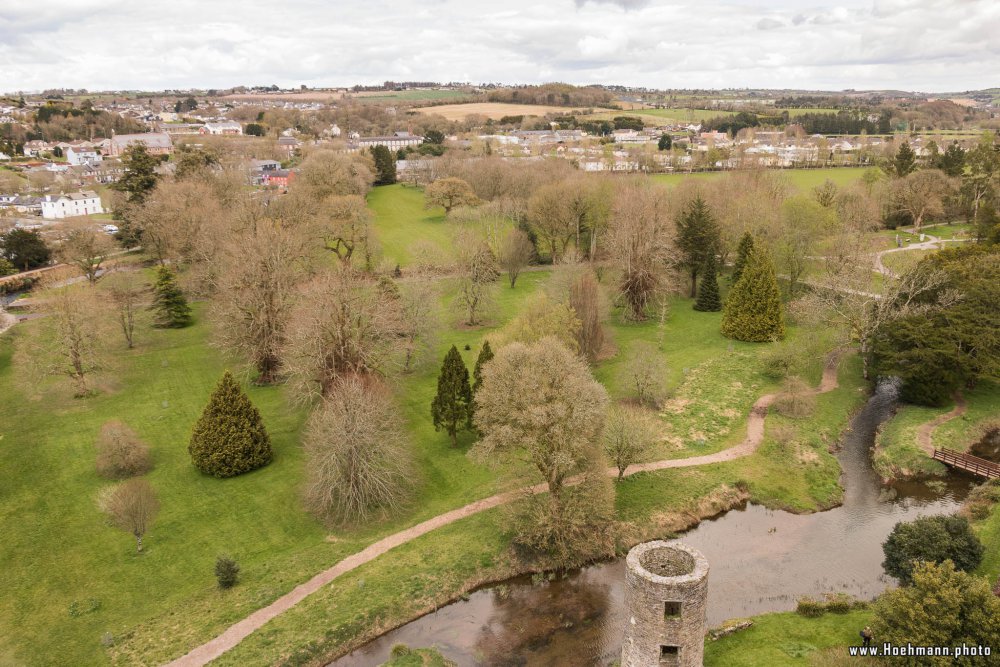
[898, 454]
[401, 220]
[159, 604]
[801, 179]
[777, 640]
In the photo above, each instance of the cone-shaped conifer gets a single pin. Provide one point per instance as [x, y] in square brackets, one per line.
[169, 303]
[742, 252]
[753, 310]
[452, 406]
[708, 290]
[229, 438]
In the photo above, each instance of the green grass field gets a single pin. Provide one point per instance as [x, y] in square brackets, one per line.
[803, 180]
[68, 575]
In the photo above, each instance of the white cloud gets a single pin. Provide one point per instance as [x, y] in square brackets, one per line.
[932, 45]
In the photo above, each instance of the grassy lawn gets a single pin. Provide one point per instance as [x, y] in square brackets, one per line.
[777, 640]
[803, 180]
[408, 233]
[68, 575]
[901, 262]
[897, 453]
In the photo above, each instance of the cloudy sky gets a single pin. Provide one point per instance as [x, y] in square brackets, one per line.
[927, 45]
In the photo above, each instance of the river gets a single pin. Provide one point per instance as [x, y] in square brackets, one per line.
[761, 560]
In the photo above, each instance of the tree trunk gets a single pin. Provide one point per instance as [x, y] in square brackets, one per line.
[453, 433]
[138, 544]
[268, 368]
[694, 283]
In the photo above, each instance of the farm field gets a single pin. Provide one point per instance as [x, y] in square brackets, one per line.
[494, 110]
[804, 180]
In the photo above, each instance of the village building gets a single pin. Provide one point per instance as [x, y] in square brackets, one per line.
[157, 143]
[228, 127]
[77, 155]
[72, 205]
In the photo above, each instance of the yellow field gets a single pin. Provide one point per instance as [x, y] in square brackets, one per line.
[495, 110]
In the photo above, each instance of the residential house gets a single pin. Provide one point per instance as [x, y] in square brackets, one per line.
[74, 204]
[277, 178]
[223, 128]
[77, 156]
[288, 145]
[157, 143]
[393, 142]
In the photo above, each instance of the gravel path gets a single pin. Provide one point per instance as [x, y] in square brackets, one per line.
[925, 431]
[235, 633]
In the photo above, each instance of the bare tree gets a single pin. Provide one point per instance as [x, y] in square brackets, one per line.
[628, 436]
[515, 253]
[645, 373]
[126, 291]
[358, 462]
[479, 272]
[325, 172]
[796, 233]
[347, 226]
[263, 263]
[131, 506]
[69, 340]
[418, 312]
[183, 222]
[120, 452]
[343, 324]
[640, 240]
[86, 248]
[921, 194]
[586, 300]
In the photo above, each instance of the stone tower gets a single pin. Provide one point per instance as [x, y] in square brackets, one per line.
[666, 595]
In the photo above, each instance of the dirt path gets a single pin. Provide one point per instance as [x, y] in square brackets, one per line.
[925, 431]
[930, 244]
[237, 632]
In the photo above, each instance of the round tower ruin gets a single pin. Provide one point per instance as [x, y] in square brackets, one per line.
[666, 596]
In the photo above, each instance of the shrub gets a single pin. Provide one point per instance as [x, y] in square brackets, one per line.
[229, 438]
[810, 607]
[839, 603]
[227, 571]
[780, 360]
[796, 399]
[120, 452]
[931, 539]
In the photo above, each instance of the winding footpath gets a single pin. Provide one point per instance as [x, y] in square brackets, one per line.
[925, 431]
[237, 632]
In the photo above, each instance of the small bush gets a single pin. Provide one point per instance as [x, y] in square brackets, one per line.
[120, 452]
[810, 607]
[780, 360]
[839, 603]
[227, 571]
[796, 399]
[399, 651]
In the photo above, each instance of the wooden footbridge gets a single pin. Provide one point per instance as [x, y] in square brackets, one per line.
[968, 463]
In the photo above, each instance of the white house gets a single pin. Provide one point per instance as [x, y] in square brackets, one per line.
[225, 127]
[77, 156]
[394, 142]
[74, 204]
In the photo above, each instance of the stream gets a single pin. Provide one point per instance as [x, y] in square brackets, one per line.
[761, 560]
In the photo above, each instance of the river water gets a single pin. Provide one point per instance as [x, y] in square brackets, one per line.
[761, 560]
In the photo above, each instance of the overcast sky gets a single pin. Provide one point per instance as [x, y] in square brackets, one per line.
[927, 45]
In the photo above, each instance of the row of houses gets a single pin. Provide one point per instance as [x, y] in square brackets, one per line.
[55, 207]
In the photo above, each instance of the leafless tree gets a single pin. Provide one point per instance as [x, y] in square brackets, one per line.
[628, 436]
[449, 193]
[120, 452]
[418, 312]
[358, 462]
[131, 506]
[478, 273]
[645, 373]
[126, 292]
[86, 248]
[587, 301]
[921, 194]
[325, 172]
[347, 226]
[515, 253]
[183, 222]
[796, 400]
[68, 341]
[343, 324]
[640, 240]
[263, 263]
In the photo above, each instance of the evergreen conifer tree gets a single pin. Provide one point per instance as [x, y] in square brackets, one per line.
[485, 354]
[229, 438]
[753, 310]
[169, 303]
[905, 162]
[385, 165]
[742, 253]
[697, 238]
[708, 292]
[452, 406]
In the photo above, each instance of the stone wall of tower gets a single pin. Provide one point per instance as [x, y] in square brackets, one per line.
[666, 596]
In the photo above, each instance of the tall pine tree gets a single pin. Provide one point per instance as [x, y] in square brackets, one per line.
[385, 165]
[452, 406]
[485, 354]
[905, 162]
[742, 253]
[708, 292]
[229, 438]
[753, 310]
[697, 238]
[169, 303]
